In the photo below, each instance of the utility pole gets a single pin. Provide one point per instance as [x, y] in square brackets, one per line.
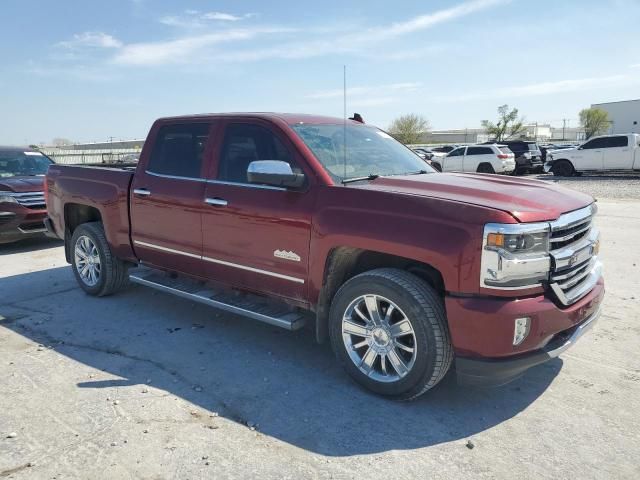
[564, 126]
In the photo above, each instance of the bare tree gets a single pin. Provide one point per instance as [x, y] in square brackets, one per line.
[595, 121]
[509, 124]
[409, 129]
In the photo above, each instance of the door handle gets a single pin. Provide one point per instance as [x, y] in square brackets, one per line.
[141, 191]
[216, 202]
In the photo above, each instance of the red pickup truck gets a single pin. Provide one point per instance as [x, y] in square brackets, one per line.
[299, 219]
[22, 205]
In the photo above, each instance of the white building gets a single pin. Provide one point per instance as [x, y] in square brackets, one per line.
[534, 131]
[624, 116]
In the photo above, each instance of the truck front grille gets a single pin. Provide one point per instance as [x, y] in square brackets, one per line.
[33, 200]
[574, 247]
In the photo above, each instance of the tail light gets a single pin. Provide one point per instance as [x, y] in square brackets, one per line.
[504, 156]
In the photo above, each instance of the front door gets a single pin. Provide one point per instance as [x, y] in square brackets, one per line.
[256, 237]
[618, 155]
[453, 161]
[590, 155]
[167, 198]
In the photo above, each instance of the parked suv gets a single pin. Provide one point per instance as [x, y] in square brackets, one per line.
[477, 158]
[22, 205]
[528, 155]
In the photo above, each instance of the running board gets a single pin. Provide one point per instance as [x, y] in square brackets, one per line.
[256, 307]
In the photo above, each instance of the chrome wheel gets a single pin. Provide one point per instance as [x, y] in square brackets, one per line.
[379, 338]
[87, 260]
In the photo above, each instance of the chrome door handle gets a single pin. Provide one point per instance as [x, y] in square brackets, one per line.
[217, 202]
[141, 191]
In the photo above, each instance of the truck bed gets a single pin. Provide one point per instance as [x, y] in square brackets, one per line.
[103, 188]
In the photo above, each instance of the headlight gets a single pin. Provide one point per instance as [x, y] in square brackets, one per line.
[6, 198]
[515, 256]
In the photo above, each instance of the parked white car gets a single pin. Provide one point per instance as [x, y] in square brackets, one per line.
[479, 158]
[598, 154]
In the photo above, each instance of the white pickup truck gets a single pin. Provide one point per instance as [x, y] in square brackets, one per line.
[598, 154]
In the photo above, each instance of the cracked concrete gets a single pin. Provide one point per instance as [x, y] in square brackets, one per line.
[144, 385]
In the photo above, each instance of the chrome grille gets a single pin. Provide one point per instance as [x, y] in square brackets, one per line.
[33, 200]
[574, 245]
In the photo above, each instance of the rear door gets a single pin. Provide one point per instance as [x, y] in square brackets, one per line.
[453, 162]
[167, 198]
[618, 154]
[477, 155]
[590, 155]
[256, 237]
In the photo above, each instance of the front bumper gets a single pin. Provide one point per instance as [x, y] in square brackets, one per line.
[492, 372]
[17, 223]
[482, 331]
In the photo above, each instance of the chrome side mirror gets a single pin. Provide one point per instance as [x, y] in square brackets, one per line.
[275, 173]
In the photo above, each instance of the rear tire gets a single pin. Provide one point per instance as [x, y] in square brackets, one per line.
[96, 269]
[417, 322]
[563, 168]
[485, 168]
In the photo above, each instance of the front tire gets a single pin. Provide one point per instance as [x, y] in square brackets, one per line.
[97, 270]
[563, 168]
[388, 329]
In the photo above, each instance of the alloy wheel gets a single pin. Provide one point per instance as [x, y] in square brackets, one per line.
[379, 338]
[87, 259]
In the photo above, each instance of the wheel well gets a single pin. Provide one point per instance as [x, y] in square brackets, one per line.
[76, 214]
[485, 164]
[344, 263]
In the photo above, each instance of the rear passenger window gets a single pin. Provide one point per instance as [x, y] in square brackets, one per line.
[179, 149]
[457, 152]
[243, 144]
[620, 141]
[479, 151]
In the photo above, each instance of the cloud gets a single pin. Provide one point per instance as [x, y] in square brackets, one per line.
[226, 17]
[209, 45]
[183, 50]
[544, 88]
[635, 65]
[197, 19]
[361, 91]
[424, 22]
[91, 40]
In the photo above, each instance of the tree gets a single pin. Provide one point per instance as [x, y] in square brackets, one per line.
[595, 121]
[409, 128]
[509, 124]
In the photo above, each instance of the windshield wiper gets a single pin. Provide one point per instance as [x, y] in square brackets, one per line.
[419, 172]
[373, 176]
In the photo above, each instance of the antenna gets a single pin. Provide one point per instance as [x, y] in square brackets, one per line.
[344, 140]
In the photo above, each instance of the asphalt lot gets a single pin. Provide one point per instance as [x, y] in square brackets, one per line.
[145, 385]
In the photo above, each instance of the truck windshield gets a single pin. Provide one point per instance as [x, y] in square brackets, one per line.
[369, 151]
[18, 163]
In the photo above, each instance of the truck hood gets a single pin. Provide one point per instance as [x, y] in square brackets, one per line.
[526, 200]
[22, 184]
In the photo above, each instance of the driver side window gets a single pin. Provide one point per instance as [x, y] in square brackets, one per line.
[457, 152]
[245, 143]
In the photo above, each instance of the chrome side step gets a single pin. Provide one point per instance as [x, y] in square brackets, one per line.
[251, 306]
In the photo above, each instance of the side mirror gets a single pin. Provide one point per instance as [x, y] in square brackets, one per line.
[275, 173]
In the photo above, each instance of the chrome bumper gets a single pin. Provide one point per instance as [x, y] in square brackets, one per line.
[583, 328]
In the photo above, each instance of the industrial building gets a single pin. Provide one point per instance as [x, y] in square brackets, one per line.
[624, 116]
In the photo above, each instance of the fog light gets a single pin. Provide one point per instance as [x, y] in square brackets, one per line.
[521, 330]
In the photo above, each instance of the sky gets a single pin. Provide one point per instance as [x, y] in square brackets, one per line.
[91, 70]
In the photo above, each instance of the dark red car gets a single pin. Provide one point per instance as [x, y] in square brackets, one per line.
[294, 219]
[22, 204]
